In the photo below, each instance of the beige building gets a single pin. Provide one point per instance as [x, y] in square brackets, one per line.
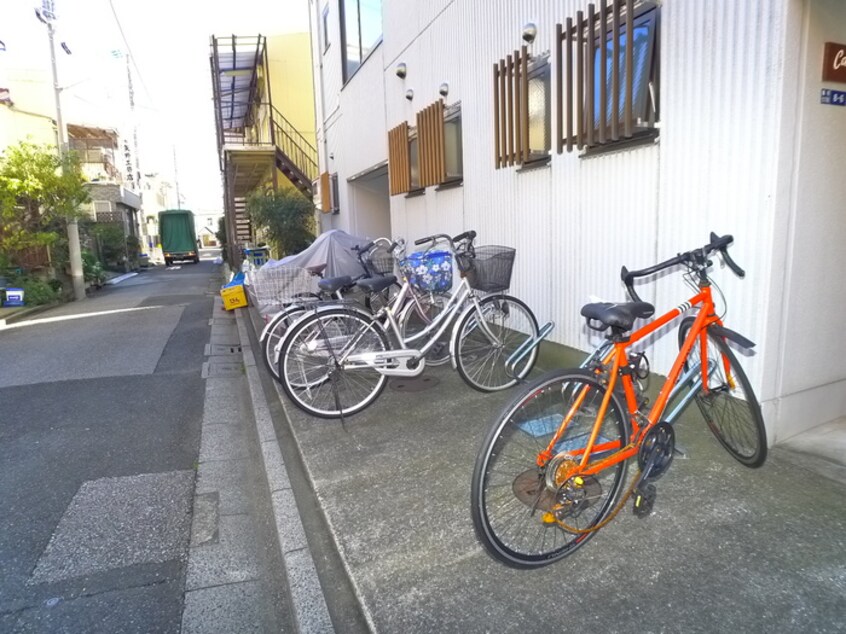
[264, 114]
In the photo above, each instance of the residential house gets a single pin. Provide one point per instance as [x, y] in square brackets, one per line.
[529, 122]
[264, 114]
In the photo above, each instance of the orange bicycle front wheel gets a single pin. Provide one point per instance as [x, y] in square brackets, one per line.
[727, 401]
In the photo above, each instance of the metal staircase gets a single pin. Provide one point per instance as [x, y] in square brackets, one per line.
[295, 156]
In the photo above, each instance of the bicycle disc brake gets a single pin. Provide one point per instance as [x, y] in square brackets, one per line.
[570, 500]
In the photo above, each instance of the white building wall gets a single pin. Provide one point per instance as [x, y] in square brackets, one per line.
[725, 149]
[808, 291]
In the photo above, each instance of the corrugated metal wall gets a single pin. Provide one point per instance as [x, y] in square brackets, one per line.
[576, 221]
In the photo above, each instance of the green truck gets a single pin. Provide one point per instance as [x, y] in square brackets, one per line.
[178, 236]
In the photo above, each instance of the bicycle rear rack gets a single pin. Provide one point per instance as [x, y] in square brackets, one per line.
[525, 348]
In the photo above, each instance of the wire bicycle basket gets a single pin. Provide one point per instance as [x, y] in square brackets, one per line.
[272, 288]
[379, 261]
[487, 268]
[428, 271]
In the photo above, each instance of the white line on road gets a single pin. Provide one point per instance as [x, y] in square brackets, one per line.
[48, 320]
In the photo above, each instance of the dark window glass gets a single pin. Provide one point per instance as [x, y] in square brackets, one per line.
[642, 54]
[335, 195]
[362, 30]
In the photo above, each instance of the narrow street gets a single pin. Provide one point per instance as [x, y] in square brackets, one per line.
[102, 406]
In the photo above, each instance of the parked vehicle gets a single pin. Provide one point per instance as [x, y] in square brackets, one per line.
[335, 361]
[178, 236]
[552, 469]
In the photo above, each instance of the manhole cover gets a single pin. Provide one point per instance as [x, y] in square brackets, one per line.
[413, 384]
[215, 349]
[218, 369]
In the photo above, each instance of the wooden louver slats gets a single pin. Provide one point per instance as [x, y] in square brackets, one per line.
[325, 195]
[587, 127]
[511, 109]
[430, 135]
[399, 165]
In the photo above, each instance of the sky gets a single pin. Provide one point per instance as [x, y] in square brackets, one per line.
[168, 44]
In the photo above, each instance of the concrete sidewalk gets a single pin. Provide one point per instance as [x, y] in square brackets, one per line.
[727, 548]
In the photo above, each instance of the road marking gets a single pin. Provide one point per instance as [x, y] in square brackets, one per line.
[174, 268]
[48, 320]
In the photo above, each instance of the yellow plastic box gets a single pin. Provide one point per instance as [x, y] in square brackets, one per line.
[233, 297]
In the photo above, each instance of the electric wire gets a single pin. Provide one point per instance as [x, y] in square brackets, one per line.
[131, 55]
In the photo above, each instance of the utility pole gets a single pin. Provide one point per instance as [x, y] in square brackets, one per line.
[47, 16]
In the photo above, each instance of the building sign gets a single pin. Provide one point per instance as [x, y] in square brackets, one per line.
[834, 62]
[833, 97]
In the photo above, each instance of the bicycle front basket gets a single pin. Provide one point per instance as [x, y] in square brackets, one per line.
[380, 261]
[489, 270]
[429, 271]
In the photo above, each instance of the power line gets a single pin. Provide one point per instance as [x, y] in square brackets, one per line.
[131, 55]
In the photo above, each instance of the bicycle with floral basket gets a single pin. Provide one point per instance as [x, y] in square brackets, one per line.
[336, 360]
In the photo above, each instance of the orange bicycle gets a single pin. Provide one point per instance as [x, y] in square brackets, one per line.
[552, 470]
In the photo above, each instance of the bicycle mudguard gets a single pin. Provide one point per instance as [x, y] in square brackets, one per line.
[731, 335]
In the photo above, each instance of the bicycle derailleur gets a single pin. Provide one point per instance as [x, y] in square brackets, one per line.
[557, 503]
[654, 458]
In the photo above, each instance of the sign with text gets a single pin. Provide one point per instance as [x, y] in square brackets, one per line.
[834, 62]
[833, 97]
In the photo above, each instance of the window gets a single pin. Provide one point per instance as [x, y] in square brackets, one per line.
[361, 32]
[452, 144]
[612, 97]
[335, 198]
[414, 159]
[522, 125]
[540, 135]
[325, 21]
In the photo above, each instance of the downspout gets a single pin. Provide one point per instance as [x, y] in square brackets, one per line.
[314, 19]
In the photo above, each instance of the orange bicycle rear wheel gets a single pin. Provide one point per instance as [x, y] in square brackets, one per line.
[518, 517]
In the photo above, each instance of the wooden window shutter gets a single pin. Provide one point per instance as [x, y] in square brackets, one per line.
[325, 193]
[430, 135]
[511, 109]
[399, 165]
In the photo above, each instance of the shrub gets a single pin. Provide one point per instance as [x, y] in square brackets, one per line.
[36, 291]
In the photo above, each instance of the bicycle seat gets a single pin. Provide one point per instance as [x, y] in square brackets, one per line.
[332, 284]
[376, 284]
[618, 316]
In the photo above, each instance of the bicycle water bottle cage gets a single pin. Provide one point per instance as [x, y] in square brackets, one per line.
[376, 284]
[619, 317]
[332, 284]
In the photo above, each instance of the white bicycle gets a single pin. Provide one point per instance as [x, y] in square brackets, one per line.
[336, 360]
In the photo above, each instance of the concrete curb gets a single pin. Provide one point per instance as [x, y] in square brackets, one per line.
[310, 611]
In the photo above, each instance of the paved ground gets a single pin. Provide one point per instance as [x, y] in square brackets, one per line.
[727, 549]
[100, 450]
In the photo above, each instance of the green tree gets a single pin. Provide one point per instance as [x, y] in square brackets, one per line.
[286, 216]
[37, 189]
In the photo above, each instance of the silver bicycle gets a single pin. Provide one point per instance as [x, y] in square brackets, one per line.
[336, 360]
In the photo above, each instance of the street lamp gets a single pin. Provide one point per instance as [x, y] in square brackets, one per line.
[47, 15]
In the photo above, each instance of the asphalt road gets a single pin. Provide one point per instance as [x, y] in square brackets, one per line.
[100, 418]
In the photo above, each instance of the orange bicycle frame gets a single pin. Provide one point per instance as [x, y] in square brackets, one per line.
[618, 358]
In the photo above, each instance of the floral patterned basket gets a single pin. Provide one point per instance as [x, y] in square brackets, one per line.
[429, 271]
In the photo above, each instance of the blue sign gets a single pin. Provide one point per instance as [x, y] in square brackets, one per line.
[833, 97]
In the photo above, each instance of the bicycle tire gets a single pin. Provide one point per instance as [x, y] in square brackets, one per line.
[512, 531]
[276, 333]
[481, 364]
[308, 363]
[732, 414]
[413, 321]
